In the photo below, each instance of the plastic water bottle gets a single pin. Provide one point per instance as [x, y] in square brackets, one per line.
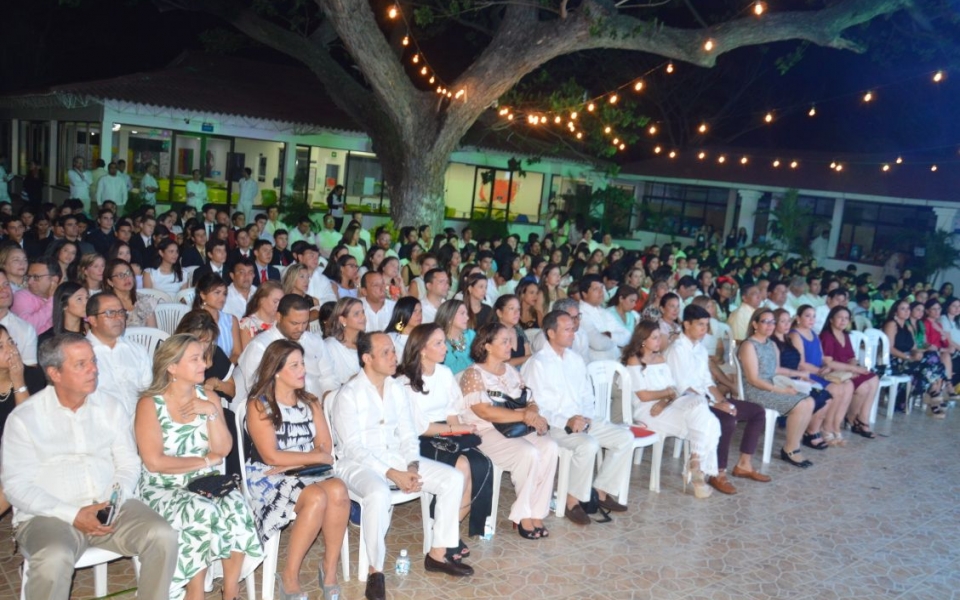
[403, 563]
[488, 529]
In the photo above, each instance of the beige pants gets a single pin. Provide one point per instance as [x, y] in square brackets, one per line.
[618, 443]
[53, 547]
[532, 463]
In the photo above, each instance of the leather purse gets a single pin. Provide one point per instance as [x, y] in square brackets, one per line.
[317, 471]
[512, 430]
[214, 486]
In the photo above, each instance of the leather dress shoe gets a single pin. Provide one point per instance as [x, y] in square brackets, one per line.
[577, 515]
[754, 475]
[457, 569]
[376, 587]
[612, 505]
[722, 484]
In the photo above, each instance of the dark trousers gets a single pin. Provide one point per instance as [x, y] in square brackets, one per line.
[755, 417]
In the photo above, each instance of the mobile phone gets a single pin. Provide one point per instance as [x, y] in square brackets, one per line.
[107, 514]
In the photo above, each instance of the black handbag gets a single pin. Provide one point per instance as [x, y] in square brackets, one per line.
[214, 486]
[318, 471]
[512, 430]
[450, 443]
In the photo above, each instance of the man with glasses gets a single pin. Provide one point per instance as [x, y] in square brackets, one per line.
[35, 303]
[125, 368]
[23, 334]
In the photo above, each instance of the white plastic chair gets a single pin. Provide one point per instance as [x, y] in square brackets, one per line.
[271, 549]
[186, 296]
[188, 274]
[168, 315]
[148, 337]
[770, 427]
[876, 339]
[92, 557]
[160, 295]
[603, 375]
[396, 497]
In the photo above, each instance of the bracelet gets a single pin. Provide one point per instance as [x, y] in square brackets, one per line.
[21, 389]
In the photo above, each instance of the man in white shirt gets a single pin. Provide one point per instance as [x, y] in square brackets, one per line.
[196, 191]
[301, 233]
[112, 186]
[605, 337]
[686, 289]
[21, 332]
[812, 297]
[581, 343]
[122, 172]
[248, 193]
[241, 290]
[689, 365]
[63, 457]
[558, 377]
[373, 296]
[377, 445]
[328, 237]
[125, 368]
[80, 183]
[777, 298]
[320, 286]
[149, 186]
[836, 297]
[739, 320]
[293, 319]
[437, 284]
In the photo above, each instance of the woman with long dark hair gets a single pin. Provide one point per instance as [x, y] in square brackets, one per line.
[211, 297]
[69, 310]
[288, 429]
[407, 314]
[344, 326]
[474, 294]
[119, 278]
[436, 401]
[168, 277]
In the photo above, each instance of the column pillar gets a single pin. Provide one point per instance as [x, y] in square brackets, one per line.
[748, 211]
[836, 224]
[51, 165]
[289, 168]
[106, 140]
[945, 218]
[14, 145]
[728, 223]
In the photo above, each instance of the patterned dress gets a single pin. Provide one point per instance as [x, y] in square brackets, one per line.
[274, 496]
[766, 369]
[209, 529]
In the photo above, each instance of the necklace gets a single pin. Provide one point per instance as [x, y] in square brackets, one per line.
[459, 345]
[5, 397]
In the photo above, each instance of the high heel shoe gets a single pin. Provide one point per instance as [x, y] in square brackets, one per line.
[285, 595]
[531, 534]
[693, 474]
[330, 592]
[862, 429]
[938, 412]
[788, 457]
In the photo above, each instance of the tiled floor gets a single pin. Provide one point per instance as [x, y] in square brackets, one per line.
[878, 519]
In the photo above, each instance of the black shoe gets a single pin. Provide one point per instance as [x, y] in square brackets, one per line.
[376, 587]
[810, 440]
[577, 515]
[456, 569]
[788, 457]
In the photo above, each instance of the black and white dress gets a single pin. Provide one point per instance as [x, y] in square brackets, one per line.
[274, 496]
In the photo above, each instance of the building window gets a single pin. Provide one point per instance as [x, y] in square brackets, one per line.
[365, 186]
[683, 209]
[506, 195]
[77, 139]
[34, 144]
[820, 208]
[871, 232]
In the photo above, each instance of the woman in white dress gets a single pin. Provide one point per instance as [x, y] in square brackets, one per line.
[531, 459]
[346, 323]
[168, 277]
[660, 406]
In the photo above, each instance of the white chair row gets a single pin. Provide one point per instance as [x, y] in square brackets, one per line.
[92, 557]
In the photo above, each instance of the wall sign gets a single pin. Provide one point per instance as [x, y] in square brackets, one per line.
[206, 127]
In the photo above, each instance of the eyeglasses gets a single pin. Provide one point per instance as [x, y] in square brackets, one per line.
[37, 277]
[122, 275]
[768, 322]
[113, 314]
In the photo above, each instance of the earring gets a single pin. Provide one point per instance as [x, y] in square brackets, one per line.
[399, 326]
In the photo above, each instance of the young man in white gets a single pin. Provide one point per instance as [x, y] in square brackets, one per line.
[377, 445]
[241, 289]
[437, 284]
[558, 377]
[376, 305]
[605, 337]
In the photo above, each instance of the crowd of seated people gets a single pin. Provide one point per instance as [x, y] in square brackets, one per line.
[415, 364]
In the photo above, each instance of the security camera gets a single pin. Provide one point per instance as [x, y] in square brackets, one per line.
[187, 121]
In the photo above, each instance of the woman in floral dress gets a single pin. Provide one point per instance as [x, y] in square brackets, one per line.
[181, 436]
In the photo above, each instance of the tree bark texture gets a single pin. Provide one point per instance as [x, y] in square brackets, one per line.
[414, 131]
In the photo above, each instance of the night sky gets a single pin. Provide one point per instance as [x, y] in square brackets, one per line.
[45, 43]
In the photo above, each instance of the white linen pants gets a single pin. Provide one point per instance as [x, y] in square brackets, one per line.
[618, 443]
[443, 481]
[688, 417]
[532, 463]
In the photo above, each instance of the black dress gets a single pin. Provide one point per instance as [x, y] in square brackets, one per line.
[219, 369]
[34, 379]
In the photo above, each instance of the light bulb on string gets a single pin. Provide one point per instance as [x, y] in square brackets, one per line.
[503, 111]
[759, 8]
[510, 117]
[623, 146]
[616, 141]
[406, 40]
[768, 118]
[744, 160]
[423, 71]
[702, 155]
[432, 79]
[653, 130]
[938, 77]
[868, 97]
[669, 67]
[657, 150]
[606, 129]
[776, 164]
[793, 165]
[839, 168]
[573, 116]
[899, 160]
[722, 159]
[885, 168]
[702, 128]
[614, 98]
[415, 59]
[542, 119]
[833, 165]
[933, 168]
[638, 86]
[590, 107]
[579, 135]
[812, 112]
[708, 45]
[393, 13]
[673, 154]
[557, 120]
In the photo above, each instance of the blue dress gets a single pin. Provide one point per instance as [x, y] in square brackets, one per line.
[790, 357]
[225, 341]
[459, 359]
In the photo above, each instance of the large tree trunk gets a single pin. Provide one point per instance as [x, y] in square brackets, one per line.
[415, 182]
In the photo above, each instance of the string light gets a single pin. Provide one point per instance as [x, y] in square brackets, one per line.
[839, 168]
[702, 155]
[833, 165]
[768, 118]
[510, 117]
[657, 150]
[673, 154]
[653, 130]
[638, 86]
[813, 111]
[708, 45]
[557, 119]
[702, 128]
[616, 141]
[579, 135]
[722, 159]
[938, 77]
[432, 79]
[759, 8]
[776, 164]
[885, 168]
[670, 68]
[868, 97]
[623, 146]
[590, 107]
[415, 59]
[614, 98]
[606, 129]
[504, 112]
[744, 160]
[573, 116]
[899, 160]
[933, 168]
[406, 40]
[793, 165]
[393, 13]
[423, 71]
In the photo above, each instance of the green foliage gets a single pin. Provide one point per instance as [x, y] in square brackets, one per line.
[939, 253]
[616, 206]
[134, 204]
[488, 225]
[789, 223]
[294, 207]
[788, 61]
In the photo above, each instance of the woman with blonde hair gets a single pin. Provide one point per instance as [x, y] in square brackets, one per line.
[13, 261]
[288, 429]
[182, 436]
[90, 272]
[296, 280]
[345, 324]
[261, 313]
